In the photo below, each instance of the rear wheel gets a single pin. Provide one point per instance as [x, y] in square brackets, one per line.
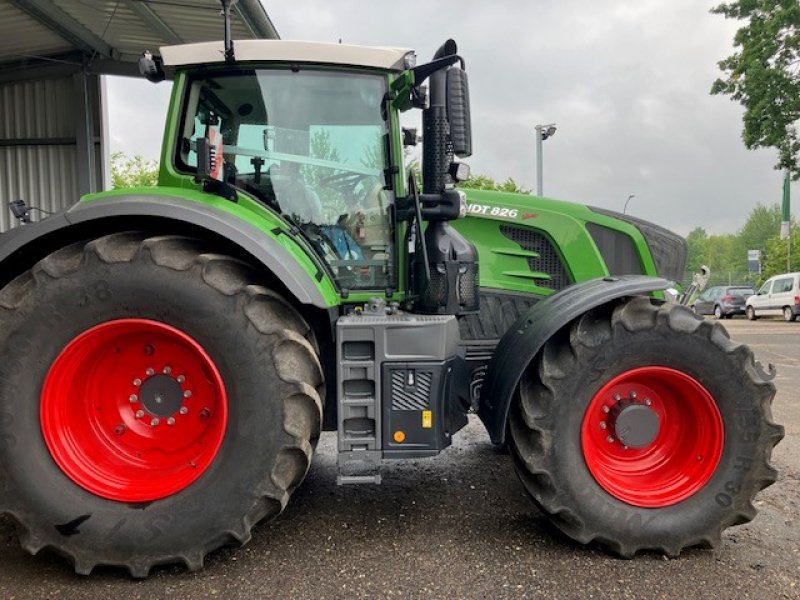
[788, 314]
[644, 427]
[751, 313]
[178, 402]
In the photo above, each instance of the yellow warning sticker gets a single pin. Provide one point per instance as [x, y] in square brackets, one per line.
[427, 419]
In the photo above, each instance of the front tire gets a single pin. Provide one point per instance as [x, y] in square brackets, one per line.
[718, 313]
[679, 484]
[751, 313]
[98, 338]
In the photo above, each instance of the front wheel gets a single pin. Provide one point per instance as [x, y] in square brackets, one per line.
[788, 314]
[751, 313]
[156, 401]
[644, 427]
[718, 312]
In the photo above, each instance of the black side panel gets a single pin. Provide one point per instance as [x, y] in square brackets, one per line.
[617, 250]
[481, 332]
[527, 336]
[15, 244]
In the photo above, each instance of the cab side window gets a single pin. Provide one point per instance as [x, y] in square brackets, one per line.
[765, 288]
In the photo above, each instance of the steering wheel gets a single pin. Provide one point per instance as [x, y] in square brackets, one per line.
[343, 180]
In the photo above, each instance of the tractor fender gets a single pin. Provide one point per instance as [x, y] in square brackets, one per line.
[16, 243]
[523, 341]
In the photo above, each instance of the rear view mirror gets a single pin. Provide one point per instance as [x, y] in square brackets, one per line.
[458, 113]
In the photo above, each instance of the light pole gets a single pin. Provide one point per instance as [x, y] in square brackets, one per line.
[542, 133]
[625, 208]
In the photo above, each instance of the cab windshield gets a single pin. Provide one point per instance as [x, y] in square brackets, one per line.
[312, 146]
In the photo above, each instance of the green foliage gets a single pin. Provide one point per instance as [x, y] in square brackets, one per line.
[484, 182]
[127, 172]
[762, 75]
[777, 248]
[726, 254]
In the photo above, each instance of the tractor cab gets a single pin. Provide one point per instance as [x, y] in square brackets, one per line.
[311, 130]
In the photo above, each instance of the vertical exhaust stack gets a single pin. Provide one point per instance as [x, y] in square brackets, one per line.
[437, 151]
[453, 287]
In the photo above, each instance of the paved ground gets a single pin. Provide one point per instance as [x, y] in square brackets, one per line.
[460, 526]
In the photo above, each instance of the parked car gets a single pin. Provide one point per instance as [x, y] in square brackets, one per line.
[723, 301]
[780, 295]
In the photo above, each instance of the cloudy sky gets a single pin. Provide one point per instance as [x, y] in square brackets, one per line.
[626, 81]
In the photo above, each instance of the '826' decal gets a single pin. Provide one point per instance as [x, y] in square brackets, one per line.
[494, 211]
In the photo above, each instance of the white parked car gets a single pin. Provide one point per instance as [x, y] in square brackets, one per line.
[780, 295]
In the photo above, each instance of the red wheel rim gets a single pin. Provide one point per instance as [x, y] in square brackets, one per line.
[133, 410]
[681, 457]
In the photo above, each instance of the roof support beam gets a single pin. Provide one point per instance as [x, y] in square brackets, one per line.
[55, 19]
[164, 31]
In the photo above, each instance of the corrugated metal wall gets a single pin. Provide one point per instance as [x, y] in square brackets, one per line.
[38, 160]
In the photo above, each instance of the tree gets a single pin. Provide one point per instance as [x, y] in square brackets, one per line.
[776, 262]
[127, 172]
[762, 75]
[763, 223]
[484, 182]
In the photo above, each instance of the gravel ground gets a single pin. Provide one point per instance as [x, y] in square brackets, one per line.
[459, 525]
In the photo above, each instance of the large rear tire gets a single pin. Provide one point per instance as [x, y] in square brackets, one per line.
[155, 402]
[644, 427]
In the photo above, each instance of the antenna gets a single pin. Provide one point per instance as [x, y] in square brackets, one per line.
[226, 14]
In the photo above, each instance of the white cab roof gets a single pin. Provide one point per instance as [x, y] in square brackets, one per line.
[287, 51]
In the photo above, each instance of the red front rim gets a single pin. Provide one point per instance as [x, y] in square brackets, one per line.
[685, 449]
[133, 410]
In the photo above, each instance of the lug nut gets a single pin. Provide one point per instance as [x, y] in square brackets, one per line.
[167, 370]
[183, 410]
[606, 409]
[134, 398]
[154, 422]
[610, 439]
[617, 397]
[603, 425]
[187, 394]
[647, 401]
[150, 372]
[171, 421]
[181, 378]
[139, 414]
[633, 395]
[137, 382]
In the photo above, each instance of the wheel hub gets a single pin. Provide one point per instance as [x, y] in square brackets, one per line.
[634, 425]
[161, 395]
[652, 436]
[133, 410]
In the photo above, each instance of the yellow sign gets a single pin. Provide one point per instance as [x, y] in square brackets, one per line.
[427, 419]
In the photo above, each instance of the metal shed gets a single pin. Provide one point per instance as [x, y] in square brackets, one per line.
[53, 54]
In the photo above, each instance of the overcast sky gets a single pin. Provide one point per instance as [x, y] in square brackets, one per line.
[626, 81]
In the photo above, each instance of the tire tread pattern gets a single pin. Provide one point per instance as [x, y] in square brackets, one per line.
[294, 353]
[531, 427]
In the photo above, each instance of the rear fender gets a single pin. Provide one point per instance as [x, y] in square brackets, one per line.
[523, 341]
[21, 247]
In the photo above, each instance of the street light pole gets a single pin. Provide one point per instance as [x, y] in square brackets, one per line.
[542, 133]
[625, 208]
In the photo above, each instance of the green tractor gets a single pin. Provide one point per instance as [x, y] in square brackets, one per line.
[170, 355]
